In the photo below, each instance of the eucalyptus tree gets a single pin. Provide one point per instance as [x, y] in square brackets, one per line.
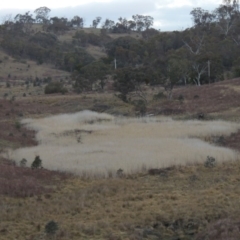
[96, 22]
[84, 77]
[24, 21]
[143, 22]
[227, 15]
[202, 19]
[42, 14]
[108, 25]
[77, 22]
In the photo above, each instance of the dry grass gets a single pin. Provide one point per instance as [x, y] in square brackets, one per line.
[12, 69]
[220, 100]
[67, 37]
[99, 143]
[223, 229]
[176, 205]
[25, 182]
[96, 52]
[96, 31]
[38, 105]
[133, 35]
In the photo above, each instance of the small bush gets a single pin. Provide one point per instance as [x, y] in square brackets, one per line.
[159, 96]
[23, 162]
[120, 173]
[37, 163]
[210, 162]
[196, 97]
[51, 227]
[221, 140]
[181, 98]
[24, 135]
[5, 95]
[140, 107]
[17, 125]
[200, 116]
[55, 87]
[47, 80]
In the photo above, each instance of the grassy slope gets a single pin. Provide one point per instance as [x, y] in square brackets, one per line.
[12, 69]
[175, 204]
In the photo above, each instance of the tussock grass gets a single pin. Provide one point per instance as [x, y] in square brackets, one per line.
[175, 206]
[24, 182]
[100, 144]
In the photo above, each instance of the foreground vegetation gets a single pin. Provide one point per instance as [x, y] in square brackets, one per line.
[176, 203]
[180, 202]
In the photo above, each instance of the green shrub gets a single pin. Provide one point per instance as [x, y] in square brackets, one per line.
[158, 96]
[23, 162]
[17, 125]
[55, 87]
[51, 227]
[5, 95]
[210, 162]
[140, 107]
[37, 163]
[196, 97]
[181, 98]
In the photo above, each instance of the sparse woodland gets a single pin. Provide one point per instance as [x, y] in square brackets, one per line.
[205, 53]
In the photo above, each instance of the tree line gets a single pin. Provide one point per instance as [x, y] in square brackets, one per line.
[24, 22]
[205, 53]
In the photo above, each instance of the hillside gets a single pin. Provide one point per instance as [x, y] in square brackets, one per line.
[174, 203]
[156, 154]
[26, 70]
[17, 67]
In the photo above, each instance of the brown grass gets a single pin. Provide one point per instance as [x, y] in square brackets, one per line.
[13, 69]
[35, 105]
[25, 182]
[223, 229]
[178, 204]
[96, 52]
[218, 99]
[132, 34]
